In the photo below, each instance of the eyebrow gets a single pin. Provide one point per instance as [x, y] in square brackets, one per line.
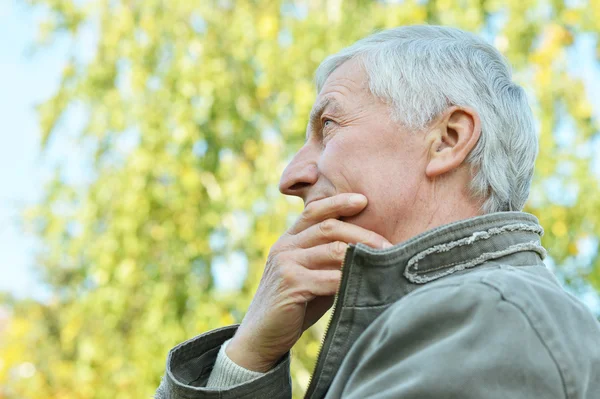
[318, 110]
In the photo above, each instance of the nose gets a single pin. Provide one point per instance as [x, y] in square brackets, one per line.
[301, 173]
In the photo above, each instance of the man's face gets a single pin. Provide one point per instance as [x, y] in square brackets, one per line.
[353, 146]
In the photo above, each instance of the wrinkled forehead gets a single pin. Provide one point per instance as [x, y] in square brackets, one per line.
[344, 87]
[350, 74]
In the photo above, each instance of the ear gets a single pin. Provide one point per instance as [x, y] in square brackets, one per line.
[451, 140]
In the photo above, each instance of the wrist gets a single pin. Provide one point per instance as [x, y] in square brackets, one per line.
[244, 356]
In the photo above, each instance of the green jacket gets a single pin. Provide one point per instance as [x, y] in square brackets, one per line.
[467, 310]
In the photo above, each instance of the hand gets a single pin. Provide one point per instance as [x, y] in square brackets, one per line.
[300, 280]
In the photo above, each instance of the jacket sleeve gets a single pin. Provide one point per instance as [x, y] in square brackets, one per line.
[190, 363]
[464, 341]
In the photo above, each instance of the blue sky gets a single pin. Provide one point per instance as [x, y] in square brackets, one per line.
[28, 77]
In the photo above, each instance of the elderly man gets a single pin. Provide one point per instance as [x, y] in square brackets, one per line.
[418, 158]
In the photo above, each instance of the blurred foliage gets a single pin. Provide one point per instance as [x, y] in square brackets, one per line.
[192, 109]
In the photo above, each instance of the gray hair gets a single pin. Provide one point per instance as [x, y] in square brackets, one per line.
[422, 70]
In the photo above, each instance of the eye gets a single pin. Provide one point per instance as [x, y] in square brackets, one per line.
[327, 124]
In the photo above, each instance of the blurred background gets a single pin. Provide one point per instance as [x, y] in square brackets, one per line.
[142, 143]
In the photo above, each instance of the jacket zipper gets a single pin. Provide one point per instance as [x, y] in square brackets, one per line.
[326, 340]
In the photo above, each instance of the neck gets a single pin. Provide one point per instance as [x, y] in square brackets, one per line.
[435, 212]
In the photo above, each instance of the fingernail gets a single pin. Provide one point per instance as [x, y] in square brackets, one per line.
[386, 245]
[357, 199]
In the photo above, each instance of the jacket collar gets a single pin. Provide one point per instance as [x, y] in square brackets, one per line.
[443, 251]
[372, 279]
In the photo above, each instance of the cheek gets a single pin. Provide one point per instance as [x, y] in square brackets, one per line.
[357, 169]
[343, 165]
[386, 175]
[359, 161]
[371, 167]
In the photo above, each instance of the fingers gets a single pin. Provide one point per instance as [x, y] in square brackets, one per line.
[323, 282]
[329, 255]
[346, 204]
[296, 280]
[336, 230]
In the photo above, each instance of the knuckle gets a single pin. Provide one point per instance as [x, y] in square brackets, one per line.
[288, 276]
[310, 212]
[327, 226]
[337, 250]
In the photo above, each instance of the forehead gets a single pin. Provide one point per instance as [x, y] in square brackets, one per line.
[348, 80]
[344, 90]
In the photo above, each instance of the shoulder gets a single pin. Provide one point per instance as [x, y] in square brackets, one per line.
[465, 291]
[517, 316]
[466, 336]
[491, 294]
[524, 287]
[467, 301]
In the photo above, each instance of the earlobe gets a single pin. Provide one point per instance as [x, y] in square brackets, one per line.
[453, 138]
[433, 169]
[441, 161]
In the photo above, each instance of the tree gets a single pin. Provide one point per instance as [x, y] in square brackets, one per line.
[191, 110]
